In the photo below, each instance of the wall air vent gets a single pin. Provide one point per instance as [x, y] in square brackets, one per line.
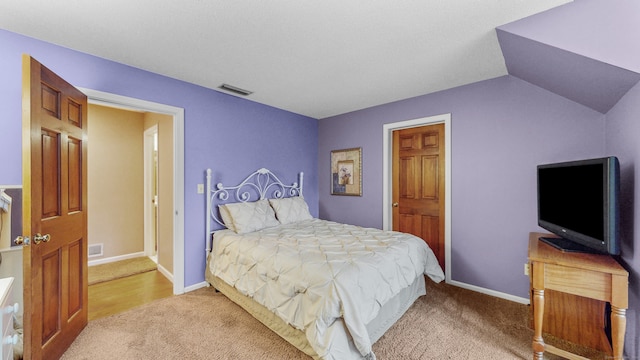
[235, 90]
[95, 250]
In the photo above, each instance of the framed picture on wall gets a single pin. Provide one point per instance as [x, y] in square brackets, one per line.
[346, 172]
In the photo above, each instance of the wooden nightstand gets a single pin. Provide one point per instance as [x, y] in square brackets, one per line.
[597, 277]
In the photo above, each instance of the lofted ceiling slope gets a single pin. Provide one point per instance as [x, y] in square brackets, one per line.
[586, 51]
[587, 81]
[315, 58]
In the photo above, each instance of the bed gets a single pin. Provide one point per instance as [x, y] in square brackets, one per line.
[329, 289]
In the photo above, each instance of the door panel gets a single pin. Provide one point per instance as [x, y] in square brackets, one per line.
[75, 277]
[50, 174]
[430, 175]
[418, 184]
[431, 140]
[74, 166]
[431, 234]
[74, 115]
[54, 205]
[50, 100]
[51, 296]
[407, 178]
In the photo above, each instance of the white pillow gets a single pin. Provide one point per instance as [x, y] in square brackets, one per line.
[251, 216]
[226, 217]
[290, 210]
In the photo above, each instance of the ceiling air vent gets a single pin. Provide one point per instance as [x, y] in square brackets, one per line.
[235, 90]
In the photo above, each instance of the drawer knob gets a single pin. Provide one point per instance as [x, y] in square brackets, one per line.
[12, 309]
[11, 339]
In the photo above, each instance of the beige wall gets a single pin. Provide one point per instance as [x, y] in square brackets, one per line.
[165, 186]
[115, 176]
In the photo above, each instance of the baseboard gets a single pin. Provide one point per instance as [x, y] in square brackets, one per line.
[486, 291]
[115, 258]
[165, 272]
[196, 286]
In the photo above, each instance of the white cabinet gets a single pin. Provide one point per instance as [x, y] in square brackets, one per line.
[7, 308]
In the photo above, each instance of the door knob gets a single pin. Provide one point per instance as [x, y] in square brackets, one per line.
[20, 240]
[395, 204]
[41, 238]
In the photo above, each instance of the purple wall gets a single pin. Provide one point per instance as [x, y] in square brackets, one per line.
[501, 129]
[623, 129]
[232, 136]
[587, 50]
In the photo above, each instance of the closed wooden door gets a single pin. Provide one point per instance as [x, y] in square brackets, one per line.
[54, 211]
[419, 184]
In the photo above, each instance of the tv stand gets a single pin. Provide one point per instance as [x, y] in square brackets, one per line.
[591, 276]
[565, 245]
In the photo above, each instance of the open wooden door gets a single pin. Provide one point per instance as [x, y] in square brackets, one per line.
[419, 185]
[54, 211]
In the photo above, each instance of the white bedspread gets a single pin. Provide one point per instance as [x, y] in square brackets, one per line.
[312, 272]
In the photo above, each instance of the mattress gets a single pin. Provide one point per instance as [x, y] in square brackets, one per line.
[324, 279]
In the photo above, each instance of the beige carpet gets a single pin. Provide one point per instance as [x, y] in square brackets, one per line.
[448, 323]
[120, 269]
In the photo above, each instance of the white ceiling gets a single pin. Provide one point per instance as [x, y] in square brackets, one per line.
[317, 58]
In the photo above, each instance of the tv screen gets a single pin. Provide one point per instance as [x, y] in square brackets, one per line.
[578, 201]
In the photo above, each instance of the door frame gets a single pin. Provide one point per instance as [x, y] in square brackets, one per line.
[387, 178]
[128, 103]
[149, 240]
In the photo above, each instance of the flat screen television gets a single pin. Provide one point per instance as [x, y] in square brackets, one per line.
[578, 201]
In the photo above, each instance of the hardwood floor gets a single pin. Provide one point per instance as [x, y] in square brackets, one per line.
[116, 296]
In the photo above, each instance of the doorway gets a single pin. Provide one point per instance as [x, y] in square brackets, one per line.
[177, 173]
[130, 192]
[130, 187]
[387, 199]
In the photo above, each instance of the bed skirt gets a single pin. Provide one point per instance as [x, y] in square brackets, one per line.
[389, 313]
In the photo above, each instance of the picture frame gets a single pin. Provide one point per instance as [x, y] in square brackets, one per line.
[346, 172]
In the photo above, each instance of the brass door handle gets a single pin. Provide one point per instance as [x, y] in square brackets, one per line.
[395, 204]
[41, 238]
[20, 240]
